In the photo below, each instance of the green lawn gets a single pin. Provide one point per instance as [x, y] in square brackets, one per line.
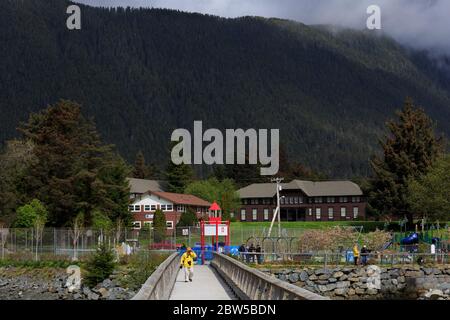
[368, 225]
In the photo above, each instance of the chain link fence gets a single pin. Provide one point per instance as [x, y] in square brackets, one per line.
[27, 244]
[339, 259]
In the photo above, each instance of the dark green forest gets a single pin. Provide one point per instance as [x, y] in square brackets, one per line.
[141, 73]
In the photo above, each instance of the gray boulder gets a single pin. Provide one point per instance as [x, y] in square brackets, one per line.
[303, 276]
[293, 277]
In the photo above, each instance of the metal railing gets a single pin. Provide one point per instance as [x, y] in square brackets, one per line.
[336, 259]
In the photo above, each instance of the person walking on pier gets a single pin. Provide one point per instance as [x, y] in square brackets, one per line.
[355, 254]
[187, 262]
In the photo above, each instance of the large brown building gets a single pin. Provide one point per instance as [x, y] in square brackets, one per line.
[147, 196]
[303, 201]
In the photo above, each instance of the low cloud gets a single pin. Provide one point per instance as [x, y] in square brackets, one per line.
[422, 24]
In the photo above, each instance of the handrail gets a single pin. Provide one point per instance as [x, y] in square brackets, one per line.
[251, 284]
[160, 284]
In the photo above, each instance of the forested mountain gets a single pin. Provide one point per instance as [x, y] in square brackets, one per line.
[141, 73]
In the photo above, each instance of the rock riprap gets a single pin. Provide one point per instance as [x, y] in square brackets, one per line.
[407, 282]
[50, 284]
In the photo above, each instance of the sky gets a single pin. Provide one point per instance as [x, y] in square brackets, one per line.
[422, 24]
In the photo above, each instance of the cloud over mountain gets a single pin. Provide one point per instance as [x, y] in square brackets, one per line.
[422, 24]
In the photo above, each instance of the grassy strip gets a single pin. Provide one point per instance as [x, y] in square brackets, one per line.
[37, 264]
[367, 225]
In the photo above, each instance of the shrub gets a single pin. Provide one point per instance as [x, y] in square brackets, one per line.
[336, 238]
[141, 266]
[99, 266]
[159, 226]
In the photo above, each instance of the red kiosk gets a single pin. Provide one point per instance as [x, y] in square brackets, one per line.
[214, 228]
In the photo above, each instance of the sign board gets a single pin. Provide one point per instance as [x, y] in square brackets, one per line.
[210, 230]
[185, 232]
[149, 216]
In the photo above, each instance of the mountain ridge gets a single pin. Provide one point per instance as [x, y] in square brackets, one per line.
[142, 73]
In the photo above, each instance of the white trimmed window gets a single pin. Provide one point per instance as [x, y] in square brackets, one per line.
[343, 199]
[343, 212]
[163, 207]
[356, 199]
[266, 214]
[310, 211]
[355, 212]
[153, 207]
[169, 207]
[169, 224]
[318, 199]
[131, 207]
[137, 208]
[330, 213]
[148, 223]
[147, 207]
[136, 225]
[243, 214]
[255, 214]
[318, 213]
[330, 199]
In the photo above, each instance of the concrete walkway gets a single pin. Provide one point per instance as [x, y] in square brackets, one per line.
[206, 285]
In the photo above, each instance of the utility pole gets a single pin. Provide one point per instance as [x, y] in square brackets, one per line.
[277, 210]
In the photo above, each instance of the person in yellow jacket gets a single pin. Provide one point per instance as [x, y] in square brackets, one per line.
[355, 254]
[187, 262]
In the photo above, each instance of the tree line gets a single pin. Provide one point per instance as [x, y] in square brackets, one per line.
[59, 172]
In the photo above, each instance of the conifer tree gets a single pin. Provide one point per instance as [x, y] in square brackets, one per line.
[409, 151]
[159, 226]
[73, 171]
[178, 176]
[140, 169]
[187, 218]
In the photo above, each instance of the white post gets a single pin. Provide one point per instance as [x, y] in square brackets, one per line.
[277, 210]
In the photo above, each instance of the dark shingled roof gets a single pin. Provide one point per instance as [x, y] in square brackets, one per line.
[144, 185]
[310, 188]
[178, 198]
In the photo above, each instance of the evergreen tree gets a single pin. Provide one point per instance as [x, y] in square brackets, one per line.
[159, 226]
[140, 170]
[245, 174]
[99, 266]
[74, 171]
[178, 176]
[408, 152]
[187, 218]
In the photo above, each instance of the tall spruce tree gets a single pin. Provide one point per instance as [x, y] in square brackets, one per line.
[159, 226]
[74, 171]
[408, 152]
[140, 169]
[177, 176]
